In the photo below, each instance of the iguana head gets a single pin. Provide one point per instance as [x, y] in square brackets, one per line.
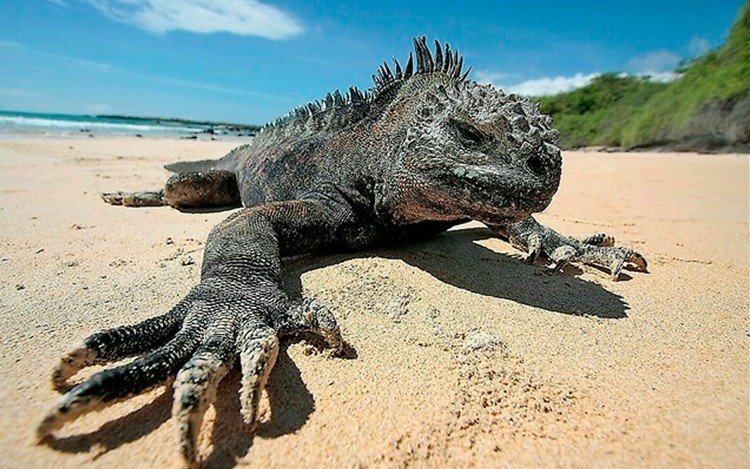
[465, 150]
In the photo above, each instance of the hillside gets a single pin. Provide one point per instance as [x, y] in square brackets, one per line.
[706, 109]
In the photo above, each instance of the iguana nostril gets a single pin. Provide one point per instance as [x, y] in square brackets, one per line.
[535, 163]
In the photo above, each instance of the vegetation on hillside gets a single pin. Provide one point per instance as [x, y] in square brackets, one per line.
[627, 111]
[595, 114]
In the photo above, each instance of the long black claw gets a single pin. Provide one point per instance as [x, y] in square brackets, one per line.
[258, 346]
[118, 343]
[561, 256]
[534, 248]
[635, 261]
[615, 267]
[76, 360]
[113, 198]
[312, 315]
[110, 386]
[599, 239]
[194, 390]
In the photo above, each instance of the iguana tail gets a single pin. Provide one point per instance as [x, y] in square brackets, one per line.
[191, 166]
[228, 162]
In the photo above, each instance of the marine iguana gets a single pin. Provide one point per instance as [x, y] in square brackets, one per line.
[423, 150]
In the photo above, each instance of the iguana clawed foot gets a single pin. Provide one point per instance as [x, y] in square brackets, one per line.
[597, 250]
[135, 199]
[195, 343]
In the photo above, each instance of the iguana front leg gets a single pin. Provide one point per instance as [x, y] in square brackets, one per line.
[198, 189]
[238, 310]
[597, 250]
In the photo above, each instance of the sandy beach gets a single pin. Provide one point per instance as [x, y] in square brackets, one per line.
[462, 355]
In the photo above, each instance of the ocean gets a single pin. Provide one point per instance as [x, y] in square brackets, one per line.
[13, 123]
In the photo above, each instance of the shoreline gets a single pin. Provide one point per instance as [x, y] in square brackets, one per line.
[464, 355]
[244, 138]
[68, 125]
[86, 135]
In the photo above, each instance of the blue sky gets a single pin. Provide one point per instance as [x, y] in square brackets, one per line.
[252, 60]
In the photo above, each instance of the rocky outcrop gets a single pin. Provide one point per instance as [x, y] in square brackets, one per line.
[719, 126]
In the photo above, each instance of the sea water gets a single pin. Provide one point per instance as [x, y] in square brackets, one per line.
[66, 125]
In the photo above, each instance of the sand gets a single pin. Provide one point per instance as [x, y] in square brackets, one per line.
[462, 355]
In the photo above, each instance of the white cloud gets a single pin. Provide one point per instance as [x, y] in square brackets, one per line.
[661, 77]
[537, 87]
[655, 62]
[17, 92]
[551, 85]
[242, 17]
[699, 46]
[657, 66]
[489, 76]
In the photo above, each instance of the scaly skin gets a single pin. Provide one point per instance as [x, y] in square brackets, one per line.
[424, 150]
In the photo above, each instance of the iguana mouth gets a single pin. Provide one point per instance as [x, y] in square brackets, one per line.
[506, 192]
[509, 210]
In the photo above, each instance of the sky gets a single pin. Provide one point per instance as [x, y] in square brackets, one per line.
[250, 61]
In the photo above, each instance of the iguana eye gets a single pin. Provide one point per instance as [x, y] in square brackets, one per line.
[468, 132]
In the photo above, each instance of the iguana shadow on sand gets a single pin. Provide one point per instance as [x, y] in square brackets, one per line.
[423, 150]
[558, 294]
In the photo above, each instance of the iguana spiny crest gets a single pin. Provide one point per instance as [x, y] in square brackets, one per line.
[445, 147]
